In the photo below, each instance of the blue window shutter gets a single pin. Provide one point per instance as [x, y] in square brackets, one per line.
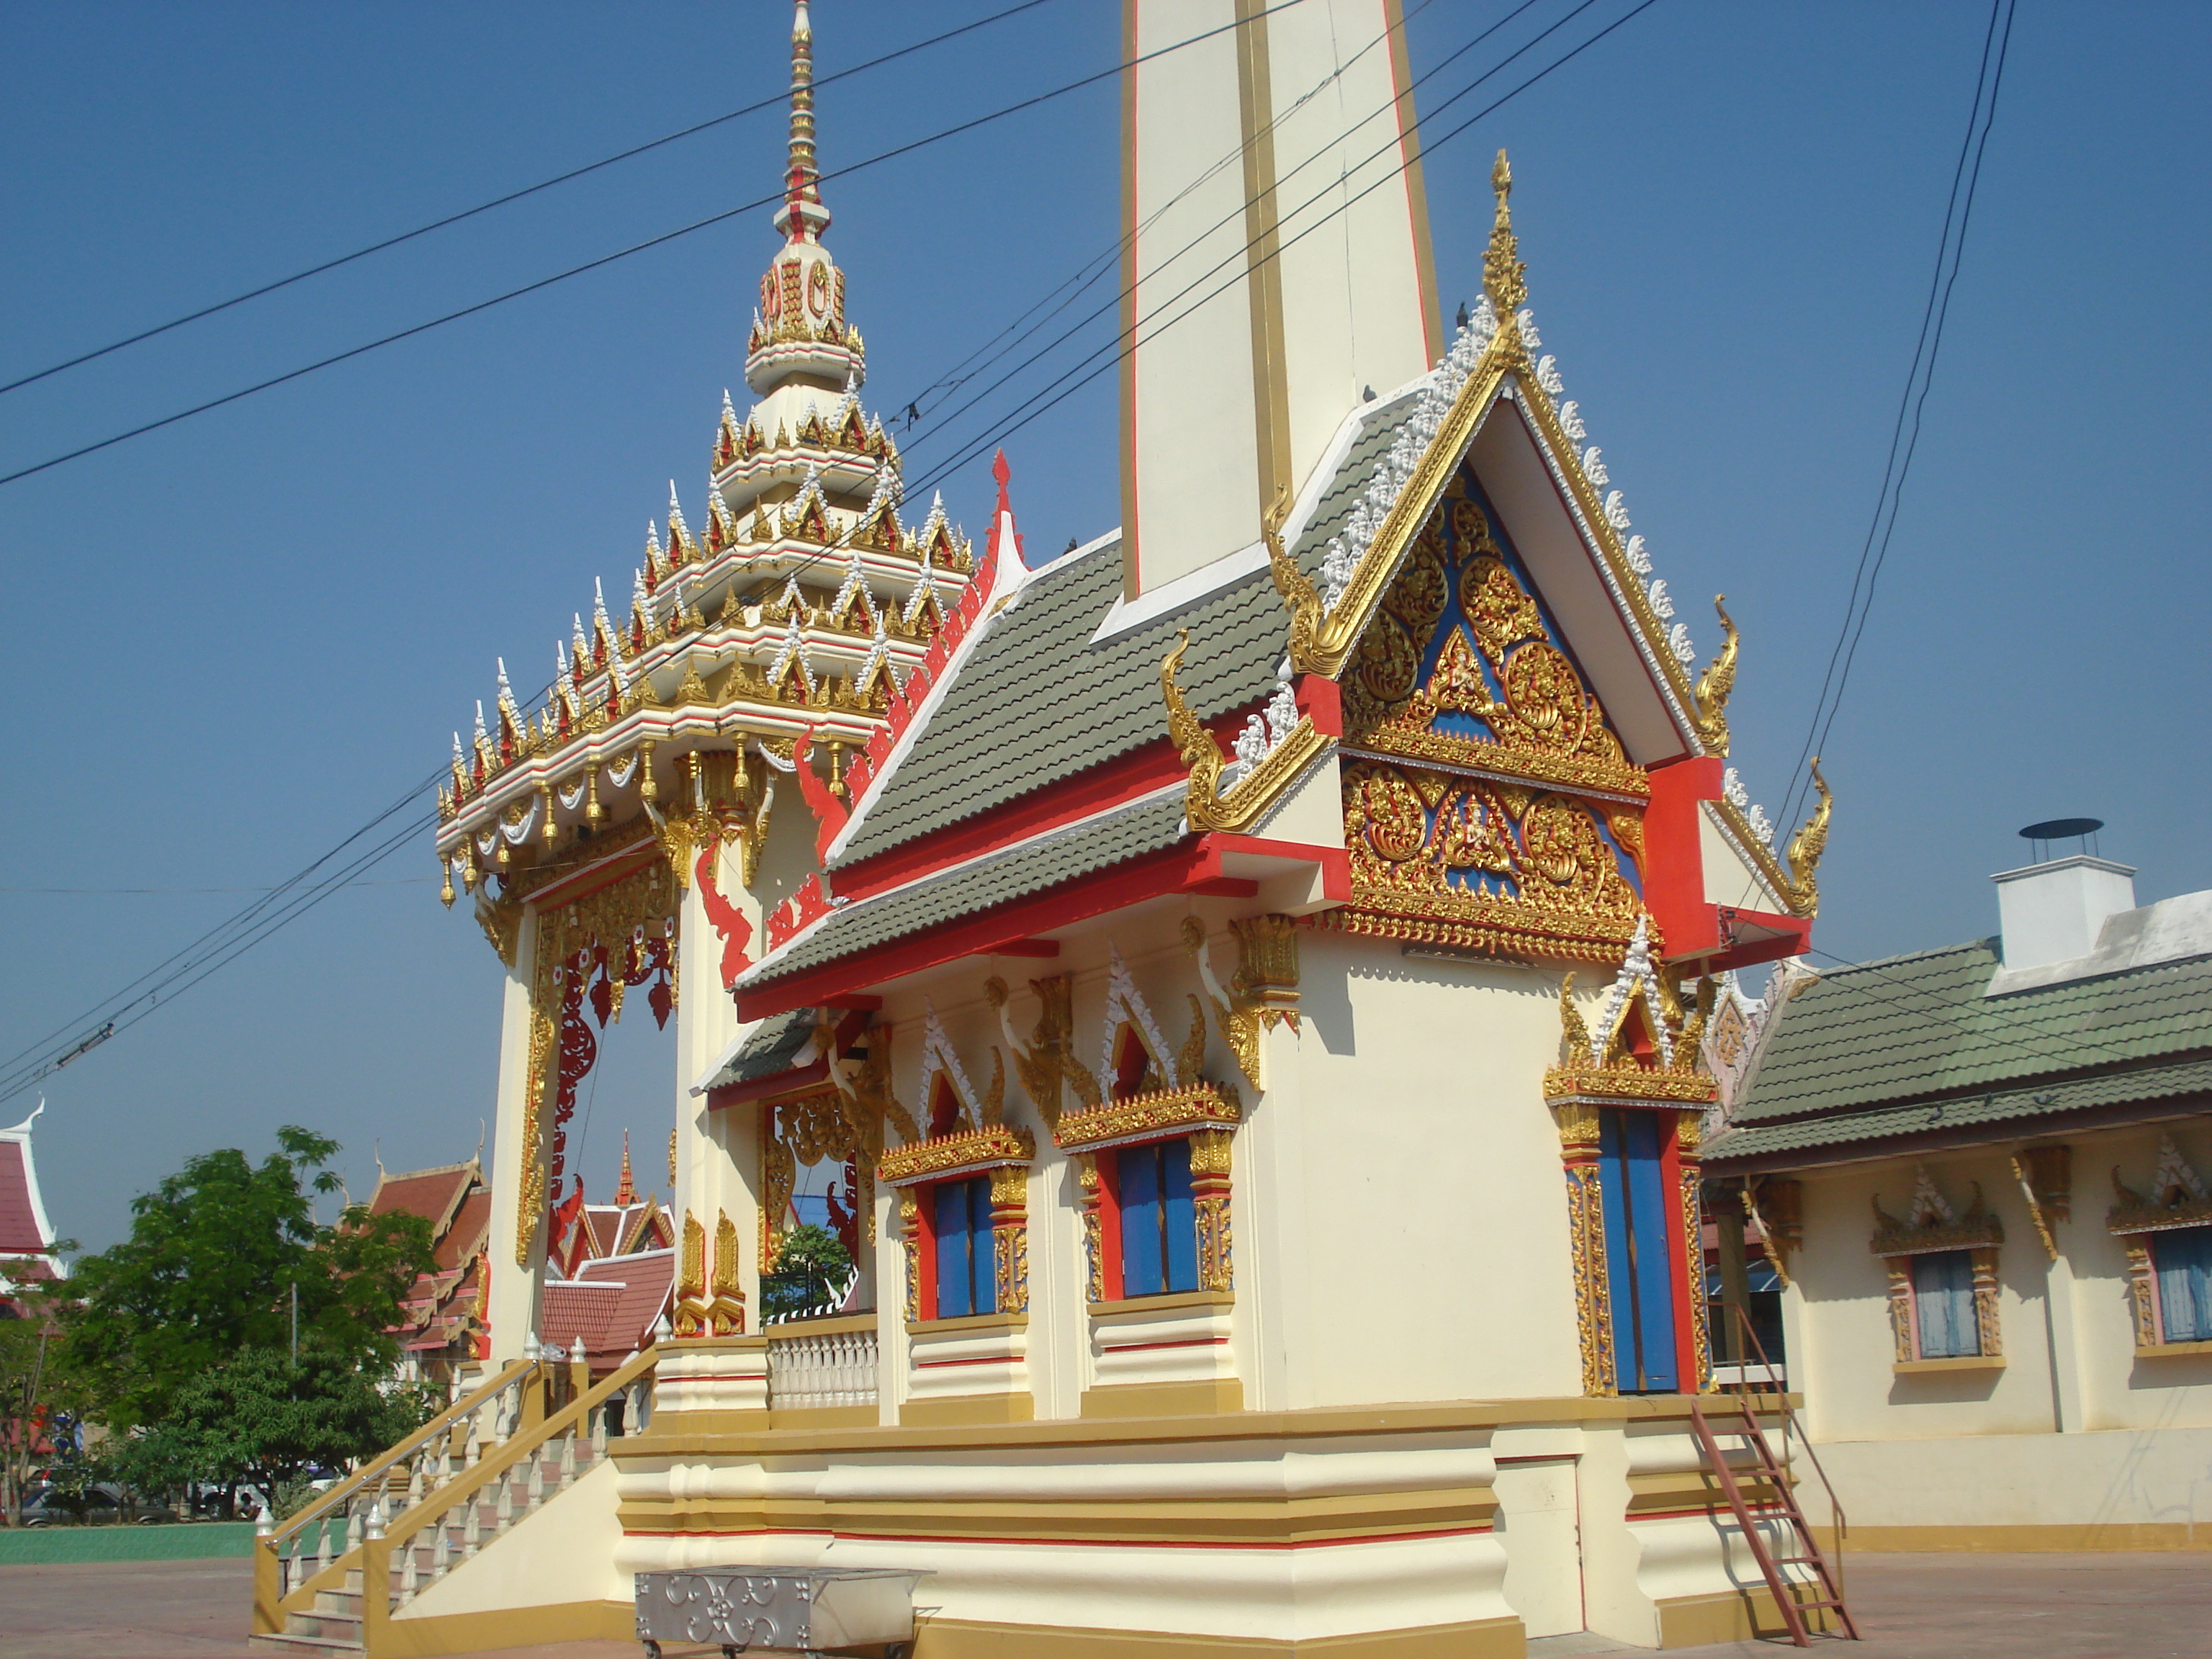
[1943, 1298]
[952, 1250]
[2183, 1260]
[1142, 1270]
[1179, 1220]
[982, 1252]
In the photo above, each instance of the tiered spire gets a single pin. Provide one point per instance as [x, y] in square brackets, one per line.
[802, 216]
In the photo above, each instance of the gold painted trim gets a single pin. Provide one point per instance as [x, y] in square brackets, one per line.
[691, 1443]
[1174, 1302]
[423, 1635]
[2070, 1537]
[2173, 1350]
[840, 1326]
[824, 1417]
[971, 1410]
[990, 1147]
[1142, 1400]
[1744, 1615]
[989, 1322]
[1263, 270]
[949, 1638]
[1201, 1105]
[1969, 1362]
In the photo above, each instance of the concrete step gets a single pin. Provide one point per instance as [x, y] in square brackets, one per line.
[307, 1643]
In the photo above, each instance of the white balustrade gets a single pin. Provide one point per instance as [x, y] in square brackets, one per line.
[829, 1368]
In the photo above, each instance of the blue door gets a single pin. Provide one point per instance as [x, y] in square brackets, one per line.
[1639, 1265]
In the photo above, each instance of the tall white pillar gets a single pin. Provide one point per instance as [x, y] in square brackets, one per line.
[1267, 285]
[516, 1286]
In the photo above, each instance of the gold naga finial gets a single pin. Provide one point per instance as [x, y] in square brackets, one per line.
[1298, 595]
[1806, 847]
[1505, 277]
[1194, 745]
[1716, 682]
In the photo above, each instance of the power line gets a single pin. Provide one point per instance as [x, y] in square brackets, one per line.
[650, 242]
[1124, 342]
[250, 926]
[1950, 248]
[450, 219]
[1105, 261]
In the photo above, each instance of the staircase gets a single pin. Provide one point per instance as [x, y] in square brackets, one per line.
[1753, 1465]
[332, 1576]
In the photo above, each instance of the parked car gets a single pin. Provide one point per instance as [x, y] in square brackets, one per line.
[105, 1505]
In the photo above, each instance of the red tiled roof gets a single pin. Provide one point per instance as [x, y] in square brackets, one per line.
[19, 1216]
[430, 1193]
[465, 1237]
[612, 1305]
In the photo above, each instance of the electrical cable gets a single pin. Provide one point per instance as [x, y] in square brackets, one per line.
[222, 954]
[696, 127]
[1950, 248]
[1125, 345]
[650, 242]
[1243, 207]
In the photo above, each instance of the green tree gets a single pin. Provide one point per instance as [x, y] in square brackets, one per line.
[33, 1387]
[266, 1418]
[810, 1265]
[215, 1256]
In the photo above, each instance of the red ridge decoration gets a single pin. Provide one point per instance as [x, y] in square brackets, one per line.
[830, 812]
[726, 918]
[797, 912]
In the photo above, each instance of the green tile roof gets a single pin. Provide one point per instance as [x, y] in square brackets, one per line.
[773, 1046]
[1145, 826]
[1912, 1043]
[1037, 702]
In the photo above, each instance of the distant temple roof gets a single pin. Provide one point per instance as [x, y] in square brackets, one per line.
[443, 1312]
[24, 1230]
[612, 1306]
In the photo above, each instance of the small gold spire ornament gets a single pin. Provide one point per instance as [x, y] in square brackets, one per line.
[446, 892]
[1716, 682]
[1504, 276]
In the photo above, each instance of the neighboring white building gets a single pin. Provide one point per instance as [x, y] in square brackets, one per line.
[1984, 1169]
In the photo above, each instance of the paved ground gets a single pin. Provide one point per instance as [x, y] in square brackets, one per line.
[1911, 1607]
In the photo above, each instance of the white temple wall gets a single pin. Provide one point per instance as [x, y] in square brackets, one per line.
[1422, 1140]
[2076, 1435]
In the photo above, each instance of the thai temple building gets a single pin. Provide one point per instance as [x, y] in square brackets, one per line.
[1983, 1169]
[26, 1238]
[445, 1333]
[1244, 982]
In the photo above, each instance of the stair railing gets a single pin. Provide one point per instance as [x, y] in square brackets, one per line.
[513, 1477]
[1777, 1385]
[286, 1578]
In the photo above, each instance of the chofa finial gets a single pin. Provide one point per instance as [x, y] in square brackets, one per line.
[1504, 276]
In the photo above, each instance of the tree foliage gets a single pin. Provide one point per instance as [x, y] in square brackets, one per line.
[263, 1418]
[209, 1272]
[808, 1266]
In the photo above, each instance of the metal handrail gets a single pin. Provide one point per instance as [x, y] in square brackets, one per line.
[1778, 1384]
[343, 1491]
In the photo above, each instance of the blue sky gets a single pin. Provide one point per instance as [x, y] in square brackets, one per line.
[235, 639]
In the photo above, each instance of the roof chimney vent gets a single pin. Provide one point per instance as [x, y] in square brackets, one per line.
[2053, 910]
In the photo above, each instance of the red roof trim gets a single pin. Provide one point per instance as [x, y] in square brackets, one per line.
[1179, 869]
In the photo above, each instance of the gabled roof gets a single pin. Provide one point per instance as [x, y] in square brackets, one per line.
[464, 1237]
[1039, 699]
[1914, 1044]
[434, 1194]
[612, 1303]
[23, 1227]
